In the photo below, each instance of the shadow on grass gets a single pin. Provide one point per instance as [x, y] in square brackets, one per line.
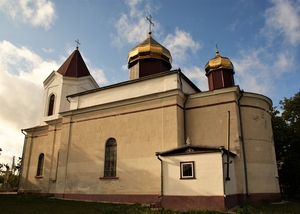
[41, 204]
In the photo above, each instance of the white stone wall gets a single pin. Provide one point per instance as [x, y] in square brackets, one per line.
[208, 175]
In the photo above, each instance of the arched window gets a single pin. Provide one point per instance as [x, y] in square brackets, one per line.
[51, 105]
[110, 164]
[39, 171]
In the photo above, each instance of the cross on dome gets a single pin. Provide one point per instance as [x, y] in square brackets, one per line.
[150, 22]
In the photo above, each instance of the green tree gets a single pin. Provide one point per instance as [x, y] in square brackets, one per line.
[286, 129]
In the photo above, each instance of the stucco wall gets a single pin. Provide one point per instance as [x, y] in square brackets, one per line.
[140, 128]
[259, 144]
[208, 175]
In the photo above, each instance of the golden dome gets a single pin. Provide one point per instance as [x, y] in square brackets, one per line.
[218, 62]
[149, 48]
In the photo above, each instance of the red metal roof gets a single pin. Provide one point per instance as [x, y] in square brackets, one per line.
[74, 66]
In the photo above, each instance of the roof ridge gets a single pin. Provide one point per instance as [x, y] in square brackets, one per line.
[74, 66]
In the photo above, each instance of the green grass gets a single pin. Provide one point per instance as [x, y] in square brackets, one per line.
[40, 204]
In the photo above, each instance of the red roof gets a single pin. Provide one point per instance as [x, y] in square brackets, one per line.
[74, 66]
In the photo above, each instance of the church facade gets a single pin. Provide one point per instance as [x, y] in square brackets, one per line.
[155, 139]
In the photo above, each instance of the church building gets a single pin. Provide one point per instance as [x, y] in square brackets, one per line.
[155, 139]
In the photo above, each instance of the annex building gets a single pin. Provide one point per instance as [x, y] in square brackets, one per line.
[154, 139]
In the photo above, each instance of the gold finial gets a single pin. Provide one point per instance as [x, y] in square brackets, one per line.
[78, 43]
[150, 22]
[217, 51]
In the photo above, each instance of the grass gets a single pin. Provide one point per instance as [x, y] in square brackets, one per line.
[40, 204]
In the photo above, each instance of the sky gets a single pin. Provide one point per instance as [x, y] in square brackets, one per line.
[261, 38]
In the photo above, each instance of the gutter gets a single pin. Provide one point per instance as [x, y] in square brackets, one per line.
[23, 153]
[184, 106]
[184, 119]
[228, 145]
[161, 175]
[29, 159]
[243, 143]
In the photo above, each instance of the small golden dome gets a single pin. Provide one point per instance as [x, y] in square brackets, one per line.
[149, 48]
[218, 62]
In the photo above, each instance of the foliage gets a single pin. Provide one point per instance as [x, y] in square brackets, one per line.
[9, 177]
[286, 129]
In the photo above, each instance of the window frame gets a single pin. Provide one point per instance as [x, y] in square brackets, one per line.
[192, 163]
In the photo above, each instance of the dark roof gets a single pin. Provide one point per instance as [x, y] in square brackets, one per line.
[74, 66]
[189, 149]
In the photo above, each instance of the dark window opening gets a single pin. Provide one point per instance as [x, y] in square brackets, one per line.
[51, 105]
[39, 171]
[110, 163]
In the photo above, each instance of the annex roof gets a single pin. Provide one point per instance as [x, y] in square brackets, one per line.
[191, 149]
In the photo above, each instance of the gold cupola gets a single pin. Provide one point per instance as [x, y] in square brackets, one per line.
[219, 71]
[149, 57]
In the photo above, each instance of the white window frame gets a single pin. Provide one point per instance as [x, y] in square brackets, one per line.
[182, 176]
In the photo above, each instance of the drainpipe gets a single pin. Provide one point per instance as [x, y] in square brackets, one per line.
[23, 153]
[52, 155]
[224, 185]
[29, 158]
[68, 151]
[228, 145]
[184, 104]
[184, 118]
[161, 175]
[243, 143]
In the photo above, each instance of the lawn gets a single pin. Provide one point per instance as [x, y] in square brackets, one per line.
[40, 204]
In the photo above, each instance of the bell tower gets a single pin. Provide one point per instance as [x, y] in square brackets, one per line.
[72, 77]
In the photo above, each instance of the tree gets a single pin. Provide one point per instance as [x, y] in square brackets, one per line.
[286, 129]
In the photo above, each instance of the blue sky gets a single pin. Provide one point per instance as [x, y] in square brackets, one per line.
[261, 37]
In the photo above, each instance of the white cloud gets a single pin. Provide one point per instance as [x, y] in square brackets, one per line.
[232, 27]
[179, 44]
[50, 50]
[21, 90]
[283, 18]
[258, 69]
[34, 12]
[133, 27]
[197, 75]
[98, 75]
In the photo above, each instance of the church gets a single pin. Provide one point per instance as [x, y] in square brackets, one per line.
[155, 139]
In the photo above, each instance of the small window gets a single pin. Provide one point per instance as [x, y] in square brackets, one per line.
[187, 170]
[51, 105]
[39, 171]
[110, 163]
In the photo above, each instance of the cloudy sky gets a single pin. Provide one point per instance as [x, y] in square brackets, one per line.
[261, 37]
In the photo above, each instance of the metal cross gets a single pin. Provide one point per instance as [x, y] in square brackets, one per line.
[150, 22]
[78, 43]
